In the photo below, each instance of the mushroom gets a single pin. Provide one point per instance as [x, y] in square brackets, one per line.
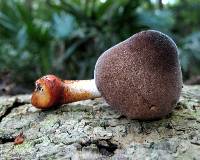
[139, 77]
[51, 91]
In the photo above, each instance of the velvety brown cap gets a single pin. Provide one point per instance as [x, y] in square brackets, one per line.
[141, 76]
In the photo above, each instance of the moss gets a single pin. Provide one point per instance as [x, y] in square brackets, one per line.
[1, 132]
[59, 132]
[49, 121]
[25, 147]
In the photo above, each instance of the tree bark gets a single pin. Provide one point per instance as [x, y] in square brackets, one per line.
[92, 130]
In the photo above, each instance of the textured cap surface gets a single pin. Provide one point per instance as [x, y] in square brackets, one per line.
[141, 76]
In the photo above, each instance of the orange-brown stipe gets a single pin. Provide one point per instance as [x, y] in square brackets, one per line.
[48, 92]
[71, 95]
[51, 91]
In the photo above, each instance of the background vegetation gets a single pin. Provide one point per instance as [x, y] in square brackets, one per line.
[65, 37]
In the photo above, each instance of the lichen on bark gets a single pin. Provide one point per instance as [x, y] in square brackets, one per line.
[92, 130]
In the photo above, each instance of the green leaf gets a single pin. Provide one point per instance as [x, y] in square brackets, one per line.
[162, 20]
[63, 25]
[22, 37]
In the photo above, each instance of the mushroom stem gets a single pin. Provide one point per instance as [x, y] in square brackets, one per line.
[51, 91]
[77, 90]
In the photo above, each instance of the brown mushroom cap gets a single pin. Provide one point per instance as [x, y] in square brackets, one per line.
[141, 76]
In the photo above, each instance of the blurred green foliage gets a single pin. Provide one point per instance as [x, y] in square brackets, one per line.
[65, 37]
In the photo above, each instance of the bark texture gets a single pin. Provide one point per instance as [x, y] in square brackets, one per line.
[92, 130]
